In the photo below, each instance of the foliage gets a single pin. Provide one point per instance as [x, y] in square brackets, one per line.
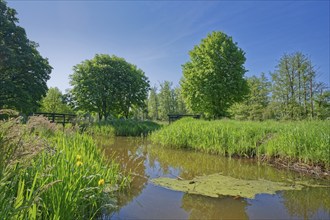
[180, 104]
[120, 127]
[53, 175]
[254, 105]
[307, 141]
[213, 78]
[166, 99]
[108, 85]
[153, 104]
[80, 167]
[322, 104]
[139, 112]
[294, 87]
[54, 102]
[24, 71]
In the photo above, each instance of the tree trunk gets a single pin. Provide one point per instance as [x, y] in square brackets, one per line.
[311, 96]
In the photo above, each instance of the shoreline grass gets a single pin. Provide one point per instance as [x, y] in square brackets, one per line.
[48, 174]
[123, 127]
[303, 141]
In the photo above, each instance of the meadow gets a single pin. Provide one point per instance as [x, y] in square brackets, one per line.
[306, 142]
[46, 173]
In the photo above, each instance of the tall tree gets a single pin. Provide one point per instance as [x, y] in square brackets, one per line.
[108, 85]
[166, 97]
[254, 105]
[180, 104]
[54, 101]
[294, 86]
[153, 104]
[213, 78]
[23, 71]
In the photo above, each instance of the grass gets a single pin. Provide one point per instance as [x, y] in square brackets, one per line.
[122, 127]
[48, 174]
[304, 141]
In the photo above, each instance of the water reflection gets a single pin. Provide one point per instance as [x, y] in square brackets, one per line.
[202, 207]
[146, 201]
[130, 155]
[307, 203]
[193, 164]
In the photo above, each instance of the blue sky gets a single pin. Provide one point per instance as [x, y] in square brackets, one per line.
[158, 35]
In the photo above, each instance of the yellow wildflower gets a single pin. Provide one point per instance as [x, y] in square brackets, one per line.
[79, 163]
[101, 182]
[78, 157]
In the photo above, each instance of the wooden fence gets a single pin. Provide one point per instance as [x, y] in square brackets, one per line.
[58, 117]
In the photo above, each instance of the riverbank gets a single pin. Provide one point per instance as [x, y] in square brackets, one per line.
[46, 173]
[122, 127]
[303, 146]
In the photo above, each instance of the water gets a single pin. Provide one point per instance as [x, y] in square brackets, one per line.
[144, 200]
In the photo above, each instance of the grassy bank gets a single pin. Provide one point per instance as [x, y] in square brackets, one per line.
[48, 174]
[306, 141]
[122, 127]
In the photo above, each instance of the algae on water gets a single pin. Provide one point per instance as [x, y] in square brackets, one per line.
[217, 185]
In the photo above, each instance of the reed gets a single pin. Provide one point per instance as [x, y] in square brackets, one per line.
[303, 141]
[65, 176]
[122, 127]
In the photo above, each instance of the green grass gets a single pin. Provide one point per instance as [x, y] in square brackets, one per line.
[54, 175]
[304, 141]
[122, 127]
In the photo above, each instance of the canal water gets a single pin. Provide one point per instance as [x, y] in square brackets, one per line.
[144, 200]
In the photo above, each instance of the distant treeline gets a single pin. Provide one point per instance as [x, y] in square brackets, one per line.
[213, 83]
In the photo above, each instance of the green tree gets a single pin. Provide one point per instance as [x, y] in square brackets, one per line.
[167, 102]
[108, 85]
[294, 86]
[254, 105]
[24, 71]
[153, 104]
[213, 78]
[180, 104]
[54, 101]
[322, 104]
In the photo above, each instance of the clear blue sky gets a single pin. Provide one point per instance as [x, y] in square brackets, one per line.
[157, 35]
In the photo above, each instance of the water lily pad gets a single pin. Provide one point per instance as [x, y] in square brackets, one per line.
[217, 185]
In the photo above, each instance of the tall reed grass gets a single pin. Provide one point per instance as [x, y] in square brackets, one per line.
[305, 141]
[53, 175]
[122, 127]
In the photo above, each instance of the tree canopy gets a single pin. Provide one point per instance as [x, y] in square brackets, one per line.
[153, 104]
[213, 78]
[54, 101]
[108, 85]
[294, 87]
[24, 72]
[292, 94]
[253, 107]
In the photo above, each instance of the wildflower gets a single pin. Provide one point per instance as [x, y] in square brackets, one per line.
[79, 163]
[78, 157]
[101, 182]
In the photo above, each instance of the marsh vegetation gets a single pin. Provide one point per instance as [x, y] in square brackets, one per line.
[304, 142]
[50, 174]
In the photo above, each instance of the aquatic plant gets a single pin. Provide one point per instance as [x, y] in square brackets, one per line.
[306, 141]
[217, 185]
[48, 174]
